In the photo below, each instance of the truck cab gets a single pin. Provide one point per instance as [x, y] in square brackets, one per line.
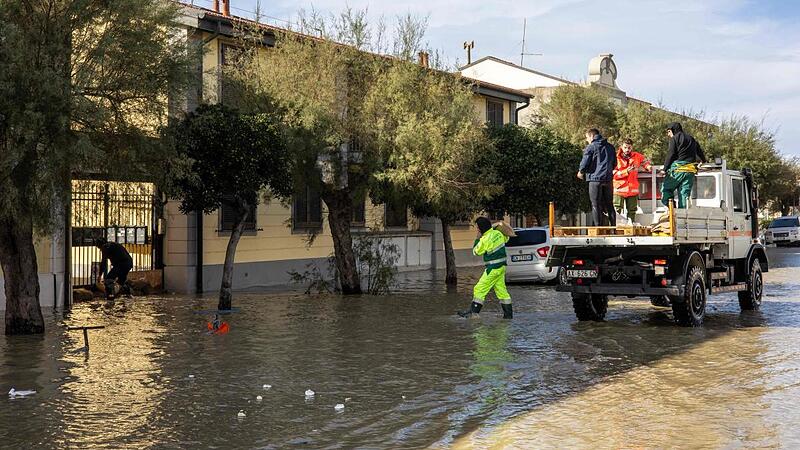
[681, 256]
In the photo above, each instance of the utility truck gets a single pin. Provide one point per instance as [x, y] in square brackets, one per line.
[680, 257]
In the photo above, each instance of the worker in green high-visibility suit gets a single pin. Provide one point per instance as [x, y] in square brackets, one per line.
[681, 165]
[491, 244]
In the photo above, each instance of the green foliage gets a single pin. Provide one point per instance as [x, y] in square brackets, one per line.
[573, 108]
[535, 167]
[228, 155]
[83, 88]
[429, 139]
[377, 263]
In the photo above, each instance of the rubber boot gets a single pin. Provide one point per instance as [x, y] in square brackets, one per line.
[109, 289]
[508, 311]
[125, 290]
[475, 308]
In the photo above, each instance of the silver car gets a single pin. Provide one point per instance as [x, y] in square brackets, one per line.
[527, 254]
[783, 231]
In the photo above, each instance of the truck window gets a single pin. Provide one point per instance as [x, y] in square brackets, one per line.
[739, 203]
[527, 237]
[705, 188]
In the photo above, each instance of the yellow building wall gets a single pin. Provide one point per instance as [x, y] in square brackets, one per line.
[480, 108]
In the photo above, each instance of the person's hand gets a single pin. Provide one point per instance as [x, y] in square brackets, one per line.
[580, 175]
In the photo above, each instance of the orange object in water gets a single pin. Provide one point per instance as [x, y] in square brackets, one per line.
[223, 328]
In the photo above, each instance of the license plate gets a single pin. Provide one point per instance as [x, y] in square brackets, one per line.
[581, 274]
[781, 234]
[516, 258]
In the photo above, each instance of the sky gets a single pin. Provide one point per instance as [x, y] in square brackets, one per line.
[719, 57]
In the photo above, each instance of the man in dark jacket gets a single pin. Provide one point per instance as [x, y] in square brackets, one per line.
[681, 165]
[597, 167]
[121, 264]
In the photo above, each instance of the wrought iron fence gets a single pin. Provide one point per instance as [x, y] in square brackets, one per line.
[123, 212]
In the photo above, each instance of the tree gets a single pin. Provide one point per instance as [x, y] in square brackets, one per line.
[534, 167]
[83, 84]
[430, 139]
[573, 108]
[323, 85]
[227, 157]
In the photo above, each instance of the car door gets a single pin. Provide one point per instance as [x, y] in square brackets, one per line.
[740, 233]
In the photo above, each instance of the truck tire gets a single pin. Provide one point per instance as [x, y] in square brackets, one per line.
[660, 300]
[750, 300]
[689, 309]
[590, 306]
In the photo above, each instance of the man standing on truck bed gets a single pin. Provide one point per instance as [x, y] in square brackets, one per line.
[597, 167]
[681, 165]
[626, 179]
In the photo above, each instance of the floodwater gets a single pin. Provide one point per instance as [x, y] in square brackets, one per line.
[410, 373]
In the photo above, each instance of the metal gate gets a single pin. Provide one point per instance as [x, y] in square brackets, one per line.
[123, 212]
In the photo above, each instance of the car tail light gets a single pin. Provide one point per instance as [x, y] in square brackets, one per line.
[663, 281]
[577, 262]
[660, 262]
[542, 251]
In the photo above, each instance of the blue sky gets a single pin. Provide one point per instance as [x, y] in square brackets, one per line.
[722, 57]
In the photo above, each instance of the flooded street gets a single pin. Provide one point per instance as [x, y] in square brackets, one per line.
[410, 373]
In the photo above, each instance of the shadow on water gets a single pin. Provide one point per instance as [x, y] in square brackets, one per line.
[409, 372]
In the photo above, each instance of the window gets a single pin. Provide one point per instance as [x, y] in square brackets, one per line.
[705, 188]
[227, 216]
[396, 214]
[494, 113]
[358, 218]
[229, 55]
[307, 209]
[739, 203]
[785, 222]
[527, 237]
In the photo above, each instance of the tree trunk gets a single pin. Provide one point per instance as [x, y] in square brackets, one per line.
[21, 276]
[339, 214]
[451, 279]
[225, 294]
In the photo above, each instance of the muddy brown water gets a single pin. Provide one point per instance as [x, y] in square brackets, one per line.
[410, 374]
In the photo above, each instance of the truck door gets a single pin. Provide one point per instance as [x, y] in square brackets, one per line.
[740, 233]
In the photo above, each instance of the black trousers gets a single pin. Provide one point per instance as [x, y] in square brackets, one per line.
[601, 194]
[119, 273]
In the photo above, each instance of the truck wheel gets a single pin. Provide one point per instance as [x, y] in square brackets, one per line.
[750, 300]
[690, 308]
[660, 300]
[562, 277]
[590, 306]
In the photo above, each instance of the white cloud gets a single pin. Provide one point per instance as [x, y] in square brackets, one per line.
[717, 55]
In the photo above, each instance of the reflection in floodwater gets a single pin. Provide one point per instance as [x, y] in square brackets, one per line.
[411, 374]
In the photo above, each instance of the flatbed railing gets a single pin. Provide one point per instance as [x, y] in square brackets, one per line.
[620, 230]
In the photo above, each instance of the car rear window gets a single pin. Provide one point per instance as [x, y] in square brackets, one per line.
[527, 237]
[784, 222]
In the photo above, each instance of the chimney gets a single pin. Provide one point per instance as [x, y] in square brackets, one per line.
[216, 5]
[226, 7]
[423, 59]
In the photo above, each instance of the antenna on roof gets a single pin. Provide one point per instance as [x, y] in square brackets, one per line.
[468, 46]
[522, 53]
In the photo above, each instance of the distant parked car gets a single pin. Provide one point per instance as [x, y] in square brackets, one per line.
[527, 254]
[783, 231]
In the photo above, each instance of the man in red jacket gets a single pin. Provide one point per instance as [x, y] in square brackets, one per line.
[626, 179]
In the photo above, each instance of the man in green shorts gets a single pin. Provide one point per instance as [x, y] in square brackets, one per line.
[681, 165]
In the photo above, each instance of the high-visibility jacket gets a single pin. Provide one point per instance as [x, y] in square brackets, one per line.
[492, 245]
[626, 175]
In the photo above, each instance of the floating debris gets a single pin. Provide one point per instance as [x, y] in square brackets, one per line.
[15, 393]
[241, 414]
[191, 376]
[310, 393]
[259, 398]
[267, 386]
[403, 397]
[339, 406]
[347, 399]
